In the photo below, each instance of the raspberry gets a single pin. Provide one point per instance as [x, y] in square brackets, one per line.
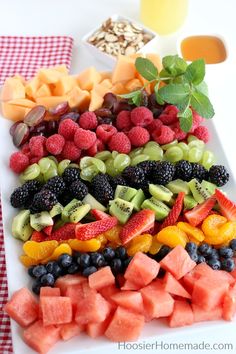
[97, 146]
[123, 120]
[138, 136]
[155, 125]
[25, 149]
[84, 139]
[202, 133]
[179, 133]
[18, 162]
[141, 116]
[197, 120]
[55, 144]
[120, 143]
[67, 128]
[34, 159]
[88, 120]
[169, 115]
[70, 151]
[105, 132]
[164, 136]
[37, 146]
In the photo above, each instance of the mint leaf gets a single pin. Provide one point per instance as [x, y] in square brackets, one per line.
[174, 93]
[186, 120]
[202, 87]
[202, 105]
[146, 68]
[130, 95]
[158, 98]
[136, 99]
[174, 65]
[183, 105]
[195, 71]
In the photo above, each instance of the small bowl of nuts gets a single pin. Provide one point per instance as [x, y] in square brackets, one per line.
[119, 35]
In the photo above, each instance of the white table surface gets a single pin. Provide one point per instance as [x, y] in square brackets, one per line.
[76, 17]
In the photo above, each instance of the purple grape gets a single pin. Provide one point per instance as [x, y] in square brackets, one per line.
[109, 100]
[103, 113]
[122, 105]
[51, 127]
[59, 109]
[13, 127]
[38, 129]
[35, 116]
[70, 115]
[21, 134]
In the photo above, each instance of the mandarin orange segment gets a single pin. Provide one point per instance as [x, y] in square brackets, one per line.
[172, 236]
[59, 250]
[155, 246]
[211, 225]
[92, 245]
[39, 250]
[113, 234]
[27, 261]
[224, 234]
[194, 240]
[102, 238]
[141, 243]
[192, 231]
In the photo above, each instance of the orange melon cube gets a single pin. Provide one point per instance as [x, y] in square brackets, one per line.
[23, 102]
[78, 98]
[64, 85]
[50, 76]
[119, 89]
[106, 83]
[43, 91]
[61, 68]
[155, 59]
[133, 85]
[105, 75]
[13, 88]
[96, 101]
[13, 111]
[32, 87]
[124, 69]
[51, 101]
[88, 78]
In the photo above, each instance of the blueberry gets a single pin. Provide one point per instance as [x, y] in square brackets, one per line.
[54, 268]
[108, 253]
[88, 271]
[39, 271]
[205, 249]
[215, 254]
[47, 280]
[233, 244]
[127, 262]
[30, 271]
[228, 264]
[162, 253]
[201, 259]
[214, 263]
[191, 247]
[73, 268]
[116, 266]
[36, 287]
[97, 259]
[84, 260]
[120, 252]
[194, 256]
[226, 252]
[64, 260]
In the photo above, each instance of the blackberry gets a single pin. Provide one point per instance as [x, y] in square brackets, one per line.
[218, 175]
[147, 167]
[43, 201]
[65, 198]
[199, 172]
[70, 175]
[101, 189]
[163, 172]
[183, 170]
[56, 185]
[32, 187]
[19, 198]
[134, 175]
[144, 186]
[118, 180]
[78, 190]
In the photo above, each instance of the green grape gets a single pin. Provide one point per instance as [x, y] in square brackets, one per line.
[114, 154]
[154, 152]
[44, 164]
[167, 146]
[121, 161]
[74, 165]
[208, 159]
[195, 154]
[135, 152]
[111, 170]
[151, 144]
[99, 164]
[88, 173]
[51, 172]
[31, 172]
[138, 159]
[53, 158]
[199, 144]
[103, 155]
[184, 147]
[85, 162]
[40, 178]
[191, 138]
[174, 154]
[62, 166]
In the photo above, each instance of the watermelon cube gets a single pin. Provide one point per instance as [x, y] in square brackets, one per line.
[182, 315]
[41, 338]
[130, 285]
[56, 310]
[157, 302]
[200, 315]
[47, 291]
[188, 281]
[75, 293]
[209, 293]
[178, 262]
[142, 269]
[125, 326]
[203, 269]
[131, 300]
[70, 279]
[95, 330]
[102, 278]
[108, 291]
[22, 307]
[229, 305]
[92, 308]
[70, 330]
[172, 286]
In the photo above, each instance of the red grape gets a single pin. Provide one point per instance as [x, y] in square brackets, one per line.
[60, 109]
[35, 116]
[21, 134]
[13, 127]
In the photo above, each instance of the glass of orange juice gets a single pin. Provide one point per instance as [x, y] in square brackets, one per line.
[164, 16]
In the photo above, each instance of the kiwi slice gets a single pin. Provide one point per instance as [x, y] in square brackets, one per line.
[177, 186]
[58, 223]
[189, 202]
[210, 187]
[56, 210]
[125, 193]
[69, 209]
[39, 221]
[160, 192]
[138, 199]
[171, 202]
[21, 227]
[122, 209]
[161, 210]
[200, 194]
[89, 199]
[79, 213]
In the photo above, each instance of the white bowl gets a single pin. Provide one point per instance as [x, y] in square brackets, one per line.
[110, 60]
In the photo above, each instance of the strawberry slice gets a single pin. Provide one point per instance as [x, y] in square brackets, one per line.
[227, 207]
[98, 214]
[142, 221]
[196, 215]
[65, 232]
[48, 230]
[85, 232]
[175, 212]
[38, 236]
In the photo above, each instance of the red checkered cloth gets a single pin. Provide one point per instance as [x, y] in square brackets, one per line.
[24, 56]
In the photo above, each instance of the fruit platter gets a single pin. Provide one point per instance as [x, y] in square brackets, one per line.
[118, 218]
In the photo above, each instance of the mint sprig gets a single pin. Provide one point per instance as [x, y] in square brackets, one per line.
[184, 87]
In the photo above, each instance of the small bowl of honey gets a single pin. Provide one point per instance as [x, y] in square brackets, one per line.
[212, 48]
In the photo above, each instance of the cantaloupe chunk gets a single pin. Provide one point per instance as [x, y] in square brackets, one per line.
[133, 85]
[78, 98]
[64, 85]
[43, 91]
[12, 88]
[62, 69]
[24, 102]
[51, 101]
[119, 89]
[96, 101]
[155, 59]
[88, 78]
[32, 86]
[106, 83]
[124, 69]
[14, 112]
[105, 75]
[50, 75]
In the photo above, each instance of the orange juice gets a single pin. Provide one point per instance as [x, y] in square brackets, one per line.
[164, 16]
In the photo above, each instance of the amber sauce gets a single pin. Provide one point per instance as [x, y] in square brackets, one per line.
[210, 48]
